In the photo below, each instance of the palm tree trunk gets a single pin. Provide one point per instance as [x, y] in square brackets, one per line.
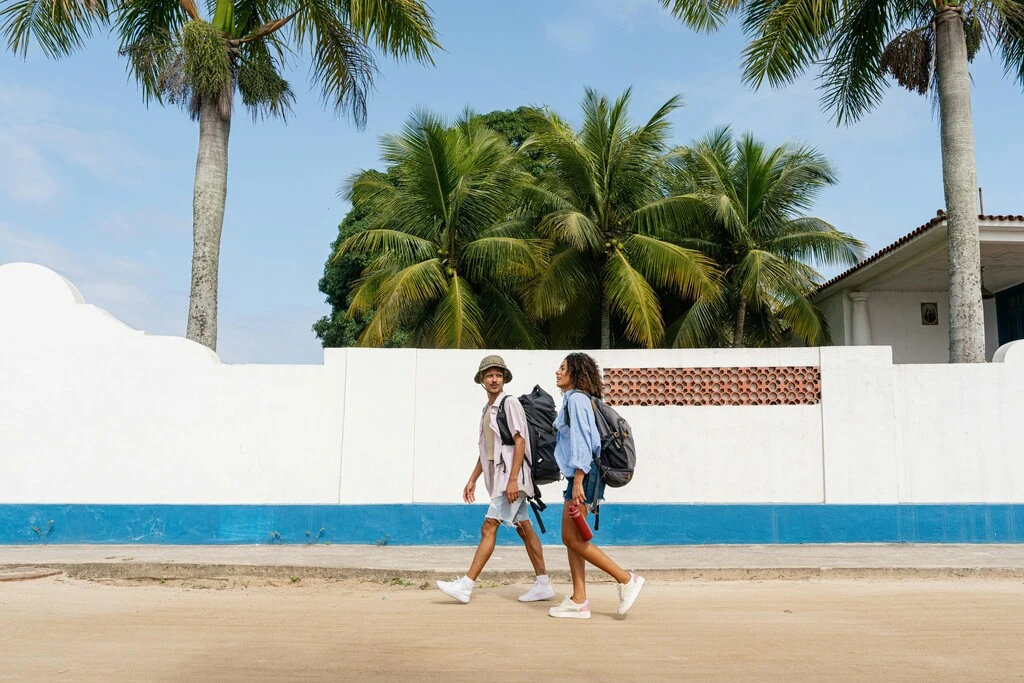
[959, 179]
[741, 320]
[606, 323]
[208, 197]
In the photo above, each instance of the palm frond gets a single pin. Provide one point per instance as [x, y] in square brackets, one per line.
[688, 273]
[506, 259]
[788, 36]
[668, 216]
[505, 324]
[400, 293]
[804, 319]
[458, 321]
[572, 228]
[705, 16]
[814, 238]
[343, 65]
[408, 249]
[364, 292]
[569, 282]
[852, 81]
[402, 28]
[634, 300]
[58, 26]
[759, 273]
[700, 327]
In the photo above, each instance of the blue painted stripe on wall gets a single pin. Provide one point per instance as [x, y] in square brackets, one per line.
[415, 524]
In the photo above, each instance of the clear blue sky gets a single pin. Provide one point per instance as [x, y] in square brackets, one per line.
[98, 187]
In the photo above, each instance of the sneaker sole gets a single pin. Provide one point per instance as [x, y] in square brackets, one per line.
[536, 598]
[464, 599]
[640, 581]
[570, 615]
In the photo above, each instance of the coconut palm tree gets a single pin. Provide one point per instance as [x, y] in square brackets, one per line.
[183, 55]
[926, 46]
[448, 254]
[747, 204]
[601, 200]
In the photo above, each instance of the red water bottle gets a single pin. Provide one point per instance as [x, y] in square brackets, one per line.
[581, 522]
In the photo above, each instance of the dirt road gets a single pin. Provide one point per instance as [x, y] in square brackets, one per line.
[69, 630]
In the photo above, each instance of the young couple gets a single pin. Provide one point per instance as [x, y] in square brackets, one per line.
[509, 483]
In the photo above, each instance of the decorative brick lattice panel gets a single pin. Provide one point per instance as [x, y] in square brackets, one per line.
[781, 386]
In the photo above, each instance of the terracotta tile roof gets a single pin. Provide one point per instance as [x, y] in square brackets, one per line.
[939, 218]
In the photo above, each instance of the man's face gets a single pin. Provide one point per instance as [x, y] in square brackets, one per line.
[494, 380]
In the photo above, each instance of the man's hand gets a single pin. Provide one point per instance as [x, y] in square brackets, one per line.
[512, 491]
[469, 492]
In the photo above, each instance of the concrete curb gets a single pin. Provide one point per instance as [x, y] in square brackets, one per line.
[155, 571]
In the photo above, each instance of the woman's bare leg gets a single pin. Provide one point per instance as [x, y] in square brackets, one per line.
[585, 551]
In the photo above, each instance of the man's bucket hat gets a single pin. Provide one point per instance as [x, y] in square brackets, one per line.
[492, 362]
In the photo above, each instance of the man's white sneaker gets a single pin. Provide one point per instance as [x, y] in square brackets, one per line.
[540, 591]
[629, 591]
[458, 589]
[570, 610]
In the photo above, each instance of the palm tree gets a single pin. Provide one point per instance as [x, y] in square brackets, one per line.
[925, 45]
[181, 56]
[747, 205]
[449, 256]
[601, 200]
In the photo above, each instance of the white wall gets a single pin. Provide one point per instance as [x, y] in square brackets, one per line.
[92, 411]
[959, 432]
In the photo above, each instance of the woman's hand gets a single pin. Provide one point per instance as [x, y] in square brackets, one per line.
[469, 492]
[579, 498]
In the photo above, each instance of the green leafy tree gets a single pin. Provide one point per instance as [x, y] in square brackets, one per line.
[447, 254]
[602, 201]
[926, 45]
[746, 206]
[184, 56]
[337, 328]
[340, 274]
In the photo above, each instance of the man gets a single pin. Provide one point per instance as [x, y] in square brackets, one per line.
[509, 483]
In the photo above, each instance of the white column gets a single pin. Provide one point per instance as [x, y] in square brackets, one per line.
[861, 323]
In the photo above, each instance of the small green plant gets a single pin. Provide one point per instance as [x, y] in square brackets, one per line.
[383, 541]
[313, 540]
[397, 581]
[294, 579]
[44, 536]
[275, 536]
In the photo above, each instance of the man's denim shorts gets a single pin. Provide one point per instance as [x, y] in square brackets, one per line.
[593, 487]
[508, 513]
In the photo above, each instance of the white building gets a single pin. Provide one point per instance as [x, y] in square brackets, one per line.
[899, 296]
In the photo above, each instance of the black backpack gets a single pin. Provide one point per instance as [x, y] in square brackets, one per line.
[618, 450]
[540, 417]
[617, 458]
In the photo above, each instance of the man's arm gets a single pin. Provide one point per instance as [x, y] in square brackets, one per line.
[469, 492]
[518, 455]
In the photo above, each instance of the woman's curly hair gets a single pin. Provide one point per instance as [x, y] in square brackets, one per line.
[584, 373]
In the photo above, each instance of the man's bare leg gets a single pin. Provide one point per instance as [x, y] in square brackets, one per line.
[533, 547]
[488, 537]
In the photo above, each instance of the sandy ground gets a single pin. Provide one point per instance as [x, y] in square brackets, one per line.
[62, 629]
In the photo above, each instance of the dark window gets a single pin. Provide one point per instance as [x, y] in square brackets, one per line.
[1010, 314]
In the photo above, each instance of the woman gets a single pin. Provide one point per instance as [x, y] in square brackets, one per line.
[577, 443]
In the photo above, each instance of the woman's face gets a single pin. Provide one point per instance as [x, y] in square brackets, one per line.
[563, 380]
